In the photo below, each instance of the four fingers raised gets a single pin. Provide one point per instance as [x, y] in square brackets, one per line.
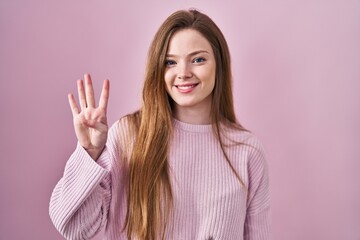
[86, 95]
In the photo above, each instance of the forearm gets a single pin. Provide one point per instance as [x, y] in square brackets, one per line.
[79, 202]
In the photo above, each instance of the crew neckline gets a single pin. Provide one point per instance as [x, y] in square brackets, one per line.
[189, 127]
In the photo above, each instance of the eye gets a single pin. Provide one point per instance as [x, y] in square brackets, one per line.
[199, 60]
[170, 62]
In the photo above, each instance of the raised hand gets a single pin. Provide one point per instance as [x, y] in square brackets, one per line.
[90, 122]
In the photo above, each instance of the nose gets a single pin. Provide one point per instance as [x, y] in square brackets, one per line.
[184, 71]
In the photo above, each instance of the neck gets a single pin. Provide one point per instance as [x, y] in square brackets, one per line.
[194, 115]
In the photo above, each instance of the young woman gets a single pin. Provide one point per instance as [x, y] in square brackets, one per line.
[181, 167]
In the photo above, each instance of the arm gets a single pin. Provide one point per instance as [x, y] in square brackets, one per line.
[80, 201]
[257, 222]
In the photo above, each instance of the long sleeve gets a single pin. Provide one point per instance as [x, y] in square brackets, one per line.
[80, 201]
[257, 222]
[209, 201]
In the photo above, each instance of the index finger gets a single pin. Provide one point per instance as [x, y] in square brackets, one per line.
[104, 97]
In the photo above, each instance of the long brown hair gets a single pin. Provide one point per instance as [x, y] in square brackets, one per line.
[150, 194]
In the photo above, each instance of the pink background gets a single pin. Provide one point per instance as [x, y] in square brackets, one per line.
[296, 67]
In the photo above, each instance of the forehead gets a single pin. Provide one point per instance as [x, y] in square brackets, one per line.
[186, 41]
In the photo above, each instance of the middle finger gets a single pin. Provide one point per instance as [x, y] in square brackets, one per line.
[81, 93]
[89, 91]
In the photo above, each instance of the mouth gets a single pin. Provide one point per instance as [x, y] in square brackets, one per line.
[187, 86]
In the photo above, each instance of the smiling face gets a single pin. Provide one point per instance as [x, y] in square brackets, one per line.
[190, 70]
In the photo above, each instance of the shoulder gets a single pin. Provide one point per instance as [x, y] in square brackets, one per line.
[127, 124]
[254, 143]
[237, 134]
[257, 165]
[254, 147]
[124, 130]
[245, 143]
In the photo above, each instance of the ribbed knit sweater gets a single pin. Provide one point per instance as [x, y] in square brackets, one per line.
[209, 201]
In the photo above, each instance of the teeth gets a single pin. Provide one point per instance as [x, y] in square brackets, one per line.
[186, 87]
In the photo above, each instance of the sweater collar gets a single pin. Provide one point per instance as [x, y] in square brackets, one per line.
[188, 127]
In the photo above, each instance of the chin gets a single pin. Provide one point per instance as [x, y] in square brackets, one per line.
[192, 102]
[185, 103]
[180, 104]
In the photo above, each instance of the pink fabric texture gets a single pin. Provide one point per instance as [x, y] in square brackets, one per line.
[209, 201]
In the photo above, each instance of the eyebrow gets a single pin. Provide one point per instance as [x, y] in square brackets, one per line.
[190, 54]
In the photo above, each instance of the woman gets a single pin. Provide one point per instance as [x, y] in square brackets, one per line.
[179, 168]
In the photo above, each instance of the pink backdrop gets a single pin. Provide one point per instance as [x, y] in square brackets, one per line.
[296, 67]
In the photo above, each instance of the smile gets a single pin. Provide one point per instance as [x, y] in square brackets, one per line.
[186, 88]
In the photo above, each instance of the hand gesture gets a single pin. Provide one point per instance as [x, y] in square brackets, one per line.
[90, 122]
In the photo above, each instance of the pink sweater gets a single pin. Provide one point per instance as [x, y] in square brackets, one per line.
[209, 201]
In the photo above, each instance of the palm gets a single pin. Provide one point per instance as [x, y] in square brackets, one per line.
[90, 122]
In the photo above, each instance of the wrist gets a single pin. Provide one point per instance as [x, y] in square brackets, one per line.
[94, 153]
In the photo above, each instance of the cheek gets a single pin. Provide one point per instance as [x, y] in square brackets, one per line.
[213, 77]
[167, 79]
[213, 83]
[209, 76]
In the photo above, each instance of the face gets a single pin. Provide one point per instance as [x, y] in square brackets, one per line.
[190, 70]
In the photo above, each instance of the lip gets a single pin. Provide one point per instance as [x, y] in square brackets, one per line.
[186, 87]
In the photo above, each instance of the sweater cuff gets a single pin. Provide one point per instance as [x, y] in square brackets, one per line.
[85, 168]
